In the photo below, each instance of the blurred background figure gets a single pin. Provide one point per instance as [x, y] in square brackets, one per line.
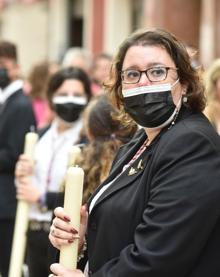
[194, 57]
[35, 87]
[68, 93]
[212, 83]
[100, 71]
[16, 118]
[78, 57]
[82, 58]
[106, 133]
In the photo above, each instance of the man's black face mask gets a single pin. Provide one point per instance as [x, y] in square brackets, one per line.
[4, 78]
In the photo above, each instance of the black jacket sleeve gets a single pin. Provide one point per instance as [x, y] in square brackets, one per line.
[18, 118]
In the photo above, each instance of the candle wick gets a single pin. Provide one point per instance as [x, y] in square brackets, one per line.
[32, 128]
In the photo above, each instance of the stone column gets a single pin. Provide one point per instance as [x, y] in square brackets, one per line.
[57, 29]
[178, 16]
[117, 23]
[208, 32]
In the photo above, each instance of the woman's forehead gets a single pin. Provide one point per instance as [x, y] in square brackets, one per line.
[147, 56]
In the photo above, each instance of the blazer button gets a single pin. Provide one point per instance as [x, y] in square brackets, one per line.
[90, 272]
[93, 226]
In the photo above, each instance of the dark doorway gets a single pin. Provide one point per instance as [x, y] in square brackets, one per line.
[75, 10]
[76, 31]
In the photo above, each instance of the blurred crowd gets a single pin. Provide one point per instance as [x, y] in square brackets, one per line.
[66, 104]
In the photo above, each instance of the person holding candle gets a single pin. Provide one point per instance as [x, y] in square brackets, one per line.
[158, 212]
[68, 93]
[16, 119]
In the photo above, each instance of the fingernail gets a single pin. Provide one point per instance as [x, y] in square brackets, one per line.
[73, 231]
[71, 240]
[66, 218]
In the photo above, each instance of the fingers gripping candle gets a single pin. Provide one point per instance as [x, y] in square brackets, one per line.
[72, 206]
[22, 213]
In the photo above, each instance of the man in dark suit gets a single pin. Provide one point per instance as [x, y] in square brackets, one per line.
[16, 118]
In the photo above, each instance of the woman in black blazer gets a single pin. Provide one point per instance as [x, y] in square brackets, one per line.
[157, 214]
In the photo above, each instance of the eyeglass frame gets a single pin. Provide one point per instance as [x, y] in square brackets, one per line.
[145, 71]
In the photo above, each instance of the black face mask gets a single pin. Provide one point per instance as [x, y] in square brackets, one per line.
[67, 109]
[150, 106]
[4, 78]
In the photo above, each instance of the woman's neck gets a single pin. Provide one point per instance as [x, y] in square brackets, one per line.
[62, 126]
[151, 134]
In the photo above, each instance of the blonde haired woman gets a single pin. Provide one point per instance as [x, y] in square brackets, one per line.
[212, 82]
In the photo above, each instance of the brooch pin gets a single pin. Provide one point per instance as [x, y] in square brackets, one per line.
[132, 171]
[140, 165]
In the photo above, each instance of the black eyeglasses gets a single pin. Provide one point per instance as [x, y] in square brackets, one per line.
[154, 74]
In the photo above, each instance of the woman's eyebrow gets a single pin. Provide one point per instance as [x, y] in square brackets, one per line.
[149, 65]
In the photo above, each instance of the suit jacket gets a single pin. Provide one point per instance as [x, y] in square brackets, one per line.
[16, 118]
[161, 219]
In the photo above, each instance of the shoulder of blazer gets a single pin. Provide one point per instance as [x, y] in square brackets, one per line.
[192, 132]
[19, 99]
[196, 124]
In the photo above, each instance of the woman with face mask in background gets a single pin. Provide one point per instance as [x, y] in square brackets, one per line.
[68, 93]
[158, 212]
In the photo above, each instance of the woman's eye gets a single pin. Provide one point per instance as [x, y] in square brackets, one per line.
[132, 74]
[157, 72]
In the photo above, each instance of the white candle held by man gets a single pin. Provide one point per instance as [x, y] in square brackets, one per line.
[21, 221]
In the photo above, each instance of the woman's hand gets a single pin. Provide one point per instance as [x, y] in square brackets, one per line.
[61, 231]
[59, 271]
[24, 167]
[26, 191]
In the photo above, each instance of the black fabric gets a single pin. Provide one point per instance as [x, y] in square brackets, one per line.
[163, 220]
[15, 121]
[37, 253]
[150, 109]
[6, 234]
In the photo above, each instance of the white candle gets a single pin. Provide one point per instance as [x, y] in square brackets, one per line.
[22, 214]
[72, 206]
[74, 153]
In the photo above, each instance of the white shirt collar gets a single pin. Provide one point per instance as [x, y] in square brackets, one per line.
[9, 90]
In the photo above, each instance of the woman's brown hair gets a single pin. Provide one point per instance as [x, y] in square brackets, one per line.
[106, 134]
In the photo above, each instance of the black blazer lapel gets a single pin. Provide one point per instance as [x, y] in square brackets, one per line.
[125, 157]
[127, 178]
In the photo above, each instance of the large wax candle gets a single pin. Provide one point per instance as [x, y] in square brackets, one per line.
[73, 154]
[22, 214]
[72, 206]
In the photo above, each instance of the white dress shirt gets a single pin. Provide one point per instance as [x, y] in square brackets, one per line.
[51, 162]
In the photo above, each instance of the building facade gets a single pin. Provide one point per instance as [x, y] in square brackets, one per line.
[44, 29]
